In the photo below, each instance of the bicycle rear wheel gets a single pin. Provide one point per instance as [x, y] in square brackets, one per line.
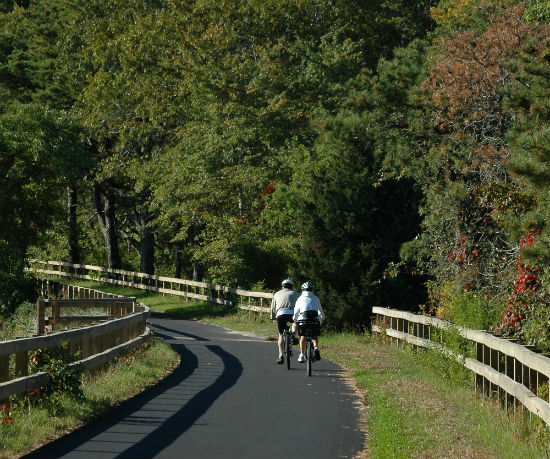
[287, 348]
[309, 356]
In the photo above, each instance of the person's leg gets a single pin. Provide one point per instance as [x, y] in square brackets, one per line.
[294, 333]
[302, 356]
[316, 346]
[280, 344]
[303, 344]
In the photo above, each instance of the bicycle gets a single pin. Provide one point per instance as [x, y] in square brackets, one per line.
[309, 327]
[287, 345]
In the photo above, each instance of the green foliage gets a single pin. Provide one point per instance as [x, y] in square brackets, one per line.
[530, 139]
[65, 380]
[30, 34]
[40, 153]
[484, 182]
[330, 141]
[20, 323]
[472, 310]
[537, 10]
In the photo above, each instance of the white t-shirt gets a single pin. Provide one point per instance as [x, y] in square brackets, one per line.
[307, 301]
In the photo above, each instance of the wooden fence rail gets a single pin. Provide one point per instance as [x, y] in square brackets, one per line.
[513, 373]
[121, 331]
[219, 294]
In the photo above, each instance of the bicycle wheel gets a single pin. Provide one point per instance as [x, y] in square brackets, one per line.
[287, 345]
[309, 356]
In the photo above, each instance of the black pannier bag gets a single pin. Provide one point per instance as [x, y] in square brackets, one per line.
[310, 324]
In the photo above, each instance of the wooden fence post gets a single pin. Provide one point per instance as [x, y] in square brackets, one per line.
[509, 365]
[21, 364]
[479, 357]
[4, 368]
[85, 347]
[55, 313]
[40, 309]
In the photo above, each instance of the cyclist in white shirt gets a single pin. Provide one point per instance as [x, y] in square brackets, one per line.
[282, 309]
[307, 302]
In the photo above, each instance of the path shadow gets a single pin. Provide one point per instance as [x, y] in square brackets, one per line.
[156, 327]
[194, 311]
[167, 431]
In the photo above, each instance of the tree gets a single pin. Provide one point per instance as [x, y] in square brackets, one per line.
[40, 151]
[529, 138]
[112, 55]
[464, 174]
[31, 33]
[349, 225]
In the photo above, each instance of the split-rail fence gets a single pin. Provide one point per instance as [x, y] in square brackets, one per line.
[205, 291]
[517, 375]
[120, 329]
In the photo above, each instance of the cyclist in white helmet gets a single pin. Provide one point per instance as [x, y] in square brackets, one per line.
[307, 302]
[282, 309]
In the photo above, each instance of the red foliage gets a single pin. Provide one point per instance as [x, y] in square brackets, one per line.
[270, 188]
[6, 407]
[470, 70]
[526, 285]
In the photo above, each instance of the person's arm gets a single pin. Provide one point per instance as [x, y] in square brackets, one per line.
[296, 311]
[273, 314]
[321, 315]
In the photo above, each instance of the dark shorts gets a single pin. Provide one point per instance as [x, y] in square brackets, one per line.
[282, 321]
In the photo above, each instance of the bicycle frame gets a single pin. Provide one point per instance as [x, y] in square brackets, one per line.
[287, 345]
[309, 328]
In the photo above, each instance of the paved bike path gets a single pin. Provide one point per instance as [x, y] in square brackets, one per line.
[227, 399]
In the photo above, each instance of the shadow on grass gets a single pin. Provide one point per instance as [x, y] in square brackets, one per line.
[197, 311]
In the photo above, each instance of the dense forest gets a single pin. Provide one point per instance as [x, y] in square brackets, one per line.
[393, 152]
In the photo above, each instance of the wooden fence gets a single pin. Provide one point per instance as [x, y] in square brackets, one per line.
[515, 374]
[119, 332]
[219, 294]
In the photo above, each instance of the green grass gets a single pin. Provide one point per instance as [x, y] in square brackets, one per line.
[31, 426]
[416, 411]
[21, 323]
[415, 405]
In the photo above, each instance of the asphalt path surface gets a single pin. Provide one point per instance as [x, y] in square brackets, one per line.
[227, 399]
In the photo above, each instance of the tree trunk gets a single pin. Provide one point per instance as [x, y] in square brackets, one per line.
[178, 262]
[147, 249]
[146, 244]
[72, 232]
[105, 209]
[197, 274]
[196, 271]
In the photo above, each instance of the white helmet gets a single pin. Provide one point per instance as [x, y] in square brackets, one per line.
[307, 286]
[287, 282]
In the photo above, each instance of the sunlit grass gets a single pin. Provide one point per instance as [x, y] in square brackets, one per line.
[416, 412]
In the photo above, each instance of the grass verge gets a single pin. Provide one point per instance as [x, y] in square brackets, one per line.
[416, 405]
[129, 375]
[414, 410]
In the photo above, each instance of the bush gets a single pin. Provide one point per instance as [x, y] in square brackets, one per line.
[65, 379]
[16, 286]
[473, 310]
[469, 309]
